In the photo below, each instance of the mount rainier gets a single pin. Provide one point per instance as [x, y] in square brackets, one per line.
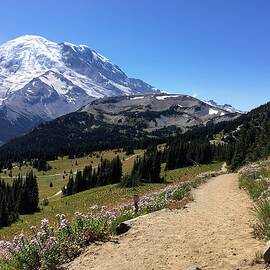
[41, 80]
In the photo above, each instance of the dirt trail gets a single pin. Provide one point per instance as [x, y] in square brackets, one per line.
[212, 233]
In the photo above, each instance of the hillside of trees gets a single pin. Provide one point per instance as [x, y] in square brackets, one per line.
[242, 140]
[252, 140]
[73, 134]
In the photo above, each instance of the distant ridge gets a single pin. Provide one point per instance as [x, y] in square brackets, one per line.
[115, 122]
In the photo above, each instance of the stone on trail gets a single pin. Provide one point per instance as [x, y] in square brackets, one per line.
[194, 268]
[123, 227]
[266, 253]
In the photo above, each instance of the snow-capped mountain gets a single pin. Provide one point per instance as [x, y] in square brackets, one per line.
[41, 80]
[226, 107]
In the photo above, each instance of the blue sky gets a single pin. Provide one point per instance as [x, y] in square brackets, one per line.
[213, 49]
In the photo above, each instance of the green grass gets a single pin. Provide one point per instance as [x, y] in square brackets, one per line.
[188, 173]
[7, 266]
[262, 226]
[253, 185]
[256, 185]
[64, 164]
[181, 192]
[111, 195]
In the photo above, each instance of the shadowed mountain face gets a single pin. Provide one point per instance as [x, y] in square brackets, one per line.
[115, 122]
[41, 80]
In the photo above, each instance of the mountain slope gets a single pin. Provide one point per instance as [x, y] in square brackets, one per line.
[245, 139]
[252, 137]
[153, 112]
[41, 80]
[114, 122]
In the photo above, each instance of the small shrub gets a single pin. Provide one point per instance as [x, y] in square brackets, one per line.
[180, 193]
[256, 185]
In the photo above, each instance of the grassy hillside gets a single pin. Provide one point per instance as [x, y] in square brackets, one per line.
[111, 195]
[61, 168]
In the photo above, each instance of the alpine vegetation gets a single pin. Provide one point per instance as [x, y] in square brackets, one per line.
[50, 247]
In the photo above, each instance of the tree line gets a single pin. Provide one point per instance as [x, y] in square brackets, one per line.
[187, 153]
[41, 165]
[146, 169]
[183, 154]
[107, 172]
[73, 134]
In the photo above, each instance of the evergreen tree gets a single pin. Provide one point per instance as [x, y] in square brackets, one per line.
[145, 169]
[30, 195]
[19, 198]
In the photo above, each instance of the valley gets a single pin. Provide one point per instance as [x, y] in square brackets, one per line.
[86, 188]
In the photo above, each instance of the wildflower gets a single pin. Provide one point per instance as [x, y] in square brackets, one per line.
[49, 244]
[44, 223]
[33, 228]
[64, 223]
[5, 248]
[41, 233]
[78, 214]
[94, 207]
[34, 242]
[21, 237]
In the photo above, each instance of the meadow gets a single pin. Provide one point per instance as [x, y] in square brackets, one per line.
[61, 168]
[110, 196]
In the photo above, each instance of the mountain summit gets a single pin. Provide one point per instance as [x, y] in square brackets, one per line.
[226, 107]
[41, 80]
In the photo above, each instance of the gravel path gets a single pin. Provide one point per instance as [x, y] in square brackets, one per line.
[212, 233]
